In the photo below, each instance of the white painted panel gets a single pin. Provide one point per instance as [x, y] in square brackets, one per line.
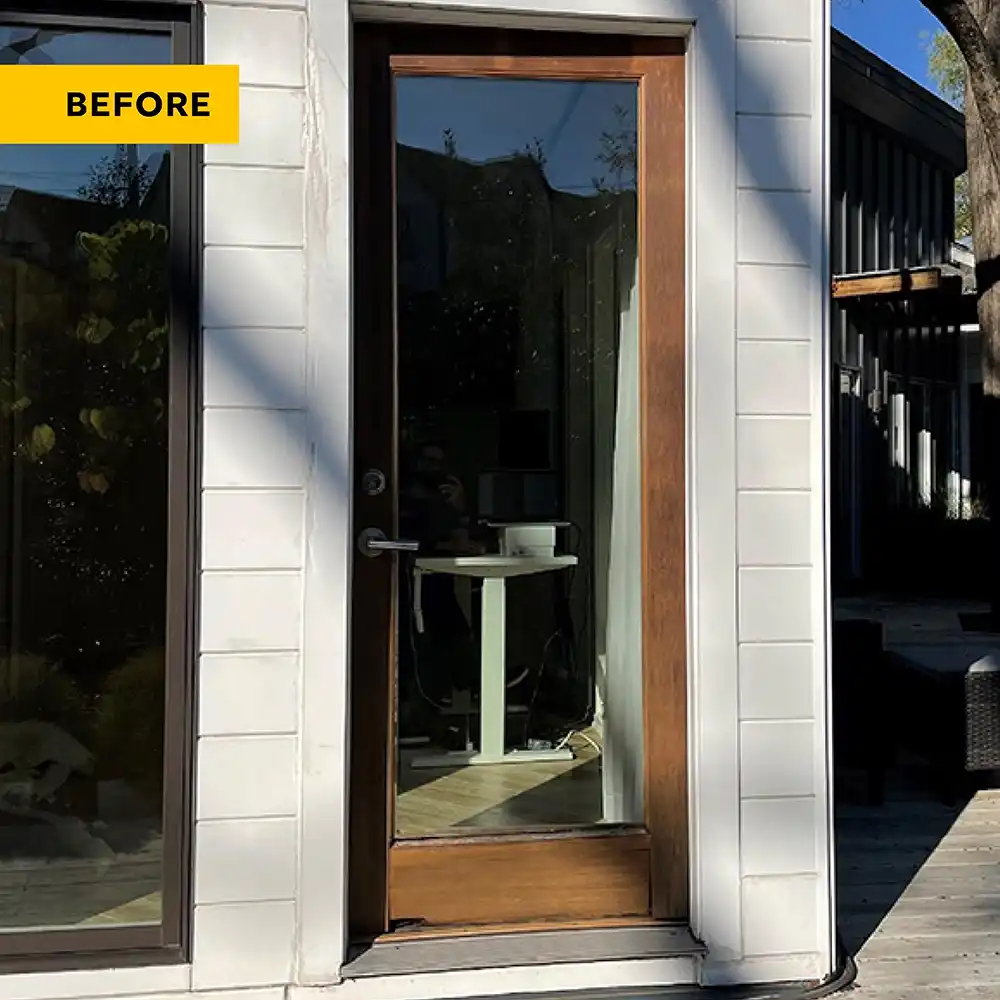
[254, 206]
[245, 860]
[774, 529]
[248, 694]
[260, 369]
[774, 378]
[773, 453]
[254, 449]
[268, 45]
[779, 914]
[776, 759]
[775, 152]
[252, 530]
[251, 286]
[774, 227]
[774, 77]
[776, 681]
[152, 981]
[778, 836]
[250, 612]
[246, 777]
[801, 967]
[243, 944]
[272, 130]
[775, 605]
[790, 19]
[776, 303]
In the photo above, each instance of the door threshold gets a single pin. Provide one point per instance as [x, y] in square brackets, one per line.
[415, 951]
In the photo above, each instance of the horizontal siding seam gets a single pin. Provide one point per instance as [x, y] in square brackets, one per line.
[224, 821]
[283, 571]
[775, 416]
[299, 88]
[254, 246]
[775, 722]
[252, 570]
[283, 491]
[203, 904]
[777, 642]
[254, 329]
[767, 414]
[794, 115]
[795, 40]
[771, 340]
[255, 490]
[299, 7]
[778, 565]
[244, 738]
[278, 168]
[793, 265]
[774, 188]
[259, 409]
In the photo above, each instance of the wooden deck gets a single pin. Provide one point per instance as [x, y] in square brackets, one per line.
[919, 893]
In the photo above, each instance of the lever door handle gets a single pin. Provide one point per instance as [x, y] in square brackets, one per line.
[372, 542]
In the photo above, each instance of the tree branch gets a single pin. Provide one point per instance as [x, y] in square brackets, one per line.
[982, 63]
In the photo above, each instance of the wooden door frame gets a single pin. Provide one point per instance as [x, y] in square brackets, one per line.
[601, 873]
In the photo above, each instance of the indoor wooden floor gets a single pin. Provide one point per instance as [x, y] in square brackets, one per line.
[123, 889]
[919, 894]
[500, 796]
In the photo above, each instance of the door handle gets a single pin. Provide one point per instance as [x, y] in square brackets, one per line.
[372, 542]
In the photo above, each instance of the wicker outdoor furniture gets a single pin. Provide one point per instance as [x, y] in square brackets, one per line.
[948, 697]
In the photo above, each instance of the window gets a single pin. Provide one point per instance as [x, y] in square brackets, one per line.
[97, 309]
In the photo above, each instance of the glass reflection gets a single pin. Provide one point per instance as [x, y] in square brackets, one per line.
[84, 305]
[519, 648]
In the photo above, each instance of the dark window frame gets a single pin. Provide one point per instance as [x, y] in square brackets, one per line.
[169, 941]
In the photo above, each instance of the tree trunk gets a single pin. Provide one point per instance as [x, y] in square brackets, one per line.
[984, 192]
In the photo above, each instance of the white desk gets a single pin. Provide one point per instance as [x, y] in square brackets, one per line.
[494, 571]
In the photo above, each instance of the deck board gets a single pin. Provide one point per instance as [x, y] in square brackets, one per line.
[919, 895]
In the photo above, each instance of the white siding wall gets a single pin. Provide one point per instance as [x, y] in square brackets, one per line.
[784, 850]
[270, 857]
[254, 469]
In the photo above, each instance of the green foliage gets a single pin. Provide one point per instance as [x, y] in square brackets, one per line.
[946, 68]
[83, 406]
[130, 721]
[122, 328]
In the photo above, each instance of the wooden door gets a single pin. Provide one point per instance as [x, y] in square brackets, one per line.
[490, 315]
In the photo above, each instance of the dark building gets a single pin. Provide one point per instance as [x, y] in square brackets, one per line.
[899, 394]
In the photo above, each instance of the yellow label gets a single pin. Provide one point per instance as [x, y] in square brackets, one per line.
[155, 105]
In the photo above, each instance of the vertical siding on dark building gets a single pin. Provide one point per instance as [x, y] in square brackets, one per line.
[892, 207]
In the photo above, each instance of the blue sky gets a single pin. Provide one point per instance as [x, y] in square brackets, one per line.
[896, 30]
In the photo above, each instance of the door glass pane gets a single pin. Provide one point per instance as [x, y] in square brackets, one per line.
[520, 659]
[84, 330]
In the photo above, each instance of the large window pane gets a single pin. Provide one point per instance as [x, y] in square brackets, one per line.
[520, 646]
[84, 334]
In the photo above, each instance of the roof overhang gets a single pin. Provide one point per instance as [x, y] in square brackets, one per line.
[859, 80]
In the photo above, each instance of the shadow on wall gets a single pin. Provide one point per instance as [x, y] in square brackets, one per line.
[795, 218]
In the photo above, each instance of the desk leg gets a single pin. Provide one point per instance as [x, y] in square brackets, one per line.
[493, 694]
[493, 667]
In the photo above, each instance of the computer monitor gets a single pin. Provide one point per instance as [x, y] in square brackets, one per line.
[516, 497]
